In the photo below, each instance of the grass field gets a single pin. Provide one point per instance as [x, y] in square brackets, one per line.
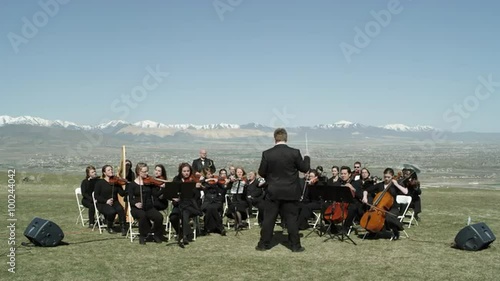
[426, 255]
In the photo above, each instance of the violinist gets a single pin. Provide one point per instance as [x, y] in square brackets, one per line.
[414, 190]
[106, 194]
[356, 173]
[391, 221]
[256, 193]
[142, 208]
[212, 203]
[160, 203]
[355, 209]
[309, 204]
[237, 200]
[189, 207]
[366, 180]
[335, 175]
[87, 186]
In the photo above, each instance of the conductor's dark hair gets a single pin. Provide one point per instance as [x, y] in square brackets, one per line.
[280, 134]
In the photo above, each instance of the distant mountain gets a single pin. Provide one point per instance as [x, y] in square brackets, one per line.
[152, 131]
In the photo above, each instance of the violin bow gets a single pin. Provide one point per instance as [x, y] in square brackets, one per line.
[307, 146]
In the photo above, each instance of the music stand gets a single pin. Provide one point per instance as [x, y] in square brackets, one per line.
[343, 195]
[316, 193]
[183, 191]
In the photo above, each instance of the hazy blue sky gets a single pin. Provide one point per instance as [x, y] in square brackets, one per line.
[77, 61]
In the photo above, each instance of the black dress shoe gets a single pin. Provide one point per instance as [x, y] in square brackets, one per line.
[157, 239]
[111, 230]
[261, 248]
[142, 240]
[91, 225]
[395, 234]
[299, 249]
[223, 232]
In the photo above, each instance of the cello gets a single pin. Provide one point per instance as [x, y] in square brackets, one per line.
[337, 211]
[373, 220]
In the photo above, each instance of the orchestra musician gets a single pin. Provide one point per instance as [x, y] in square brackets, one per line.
[391, 220]
[414, 190]
[213, 188]
[366, 180]
[238, 204]
[202, 163]
[190, 207]
[309, 204]
[142, 207]
[356, 173]
[355, 209]
[87, 186]
[160, 203]
[335, 175]
[256, 193]
[106, 194]
[280, 166]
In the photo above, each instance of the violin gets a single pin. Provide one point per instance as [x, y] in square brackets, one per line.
[153, 181]
[115, 180]
[213, 180]
[222, 180]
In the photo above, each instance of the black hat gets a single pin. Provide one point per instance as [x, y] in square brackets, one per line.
[319, 169]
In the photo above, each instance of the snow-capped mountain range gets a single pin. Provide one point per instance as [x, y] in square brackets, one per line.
[145, 124]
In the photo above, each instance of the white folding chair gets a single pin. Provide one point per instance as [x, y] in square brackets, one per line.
[131, 233]
[81, 208]
[98, 216]
[403, 199]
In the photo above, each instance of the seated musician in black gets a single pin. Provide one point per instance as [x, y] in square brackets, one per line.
[190, 207]
[355, 209]
[160, 203]
[256, 193]
[335, 175]
[237, 198]
[87, 186]
[142, 208]
[413, 185]
[309, 204]
[391, 220]
[213, 200]
[321, 175]
[106, 194]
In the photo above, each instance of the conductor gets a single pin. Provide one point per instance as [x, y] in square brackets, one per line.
[280, 167]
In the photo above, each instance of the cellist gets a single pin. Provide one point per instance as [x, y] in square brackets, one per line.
[356, 208]
[391, 220]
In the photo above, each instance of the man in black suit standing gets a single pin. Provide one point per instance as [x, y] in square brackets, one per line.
[203, 162]
[280, 167]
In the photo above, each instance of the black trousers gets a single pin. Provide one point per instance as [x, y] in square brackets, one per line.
[213, 216]
[111, 211]
[176, 217]
[90, 205]
[391, 221]
[145, 218]
[259, 204]
[289, 211]
[306, 212]
[355, 210]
